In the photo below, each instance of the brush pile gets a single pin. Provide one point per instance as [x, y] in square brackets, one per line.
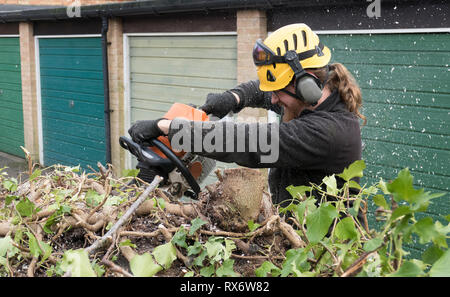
[63, 222]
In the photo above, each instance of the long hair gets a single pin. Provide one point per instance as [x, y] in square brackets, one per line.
[341, 79]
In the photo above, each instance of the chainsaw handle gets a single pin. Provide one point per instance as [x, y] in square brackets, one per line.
[177, 162]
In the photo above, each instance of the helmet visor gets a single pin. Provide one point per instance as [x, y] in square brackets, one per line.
[262, 55]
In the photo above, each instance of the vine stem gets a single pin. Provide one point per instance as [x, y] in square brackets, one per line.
[100, 242]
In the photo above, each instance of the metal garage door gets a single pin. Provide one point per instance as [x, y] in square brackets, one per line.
[11, 111]
[71, 85]
[405, 81]
[184, 69]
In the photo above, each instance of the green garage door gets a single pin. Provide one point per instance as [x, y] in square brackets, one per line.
[11, 111]
[71, 80]
[405, 81]
[184, 69]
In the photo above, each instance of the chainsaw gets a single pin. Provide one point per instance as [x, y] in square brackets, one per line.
[182, 171]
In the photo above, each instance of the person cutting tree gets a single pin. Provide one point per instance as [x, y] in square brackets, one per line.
[318, 102]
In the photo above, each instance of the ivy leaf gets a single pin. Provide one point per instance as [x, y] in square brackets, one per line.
[408, 269]
[165, 254]
[130, 172]
[330, 181]
[77, 261]
[431, 254]
[346, 229]
[373, 244]
[144, 265]
[427, 232]
[194, 249]
[266, 268]
[318, 222]
[252, 226]
[354, 170]
[400, 211]
[295, 262]
[93, 198]
[25, 207]
[226, 269]
[381, 202]
[35, 174]
[179, 238]
[442, 266]
[207, 271]
[195, 225]
[298, 191]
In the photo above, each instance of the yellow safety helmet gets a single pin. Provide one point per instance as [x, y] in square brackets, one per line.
[274, 72]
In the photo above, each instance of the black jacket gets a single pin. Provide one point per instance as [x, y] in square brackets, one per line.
[315, 144]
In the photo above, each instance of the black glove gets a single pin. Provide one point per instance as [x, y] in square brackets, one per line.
[142, 131]
[219, 104]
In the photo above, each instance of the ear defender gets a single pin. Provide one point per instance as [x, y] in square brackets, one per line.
[307, 87]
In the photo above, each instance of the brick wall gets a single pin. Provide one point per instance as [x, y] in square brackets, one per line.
[29, 99]
[116, 92]
[250, 25]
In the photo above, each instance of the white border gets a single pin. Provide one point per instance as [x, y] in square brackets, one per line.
[38, 85]
[127, 74]
[385, 31]
[10, 35]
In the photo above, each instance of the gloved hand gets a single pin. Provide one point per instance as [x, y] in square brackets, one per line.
[219, 104]
[142, 131]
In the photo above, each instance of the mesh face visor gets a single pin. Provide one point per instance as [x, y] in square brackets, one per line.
[262, 55]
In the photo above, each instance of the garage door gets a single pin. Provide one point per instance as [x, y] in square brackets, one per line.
[184, 69]
[11, 112]
[71, 80]
[405, 81]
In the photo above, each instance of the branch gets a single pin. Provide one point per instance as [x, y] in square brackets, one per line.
[97, 244]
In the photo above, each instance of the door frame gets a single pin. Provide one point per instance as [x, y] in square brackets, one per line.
[38, 84]
[127, 74]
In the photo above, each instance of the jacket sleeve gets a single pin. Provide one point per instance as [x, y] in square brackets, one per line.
[297, 143]
[251, 96]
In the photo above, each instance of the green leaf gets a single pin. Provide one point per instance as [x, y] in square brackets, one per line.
[441, 268]
[447, 217]
[7, 248]
[298, 191]
[189, 274]
[25, 207]
[330, 181]
[144, 265]
[373, 244]
[214, 250]
[346, 229]
[10, 184]
[198, 261]
[33, 245]
[354, 170]
[226, 269]
[9, 199]
[408, 269]
[93, 198]
[165, 254]
[35, 174]
[252, 226]
[295, 263]
[127, 242]
[427, 232]
[130, 172]
[400, 211]
[305, 208]
[381, 202]
[207, 271]
[432, 254]
[179, 238]
[267, 268]
[77, 261]
[319, 221]
[195, 225]
[194, 249]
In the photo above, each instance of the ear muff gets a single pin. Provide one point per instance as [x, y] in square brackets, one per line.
[307, 87]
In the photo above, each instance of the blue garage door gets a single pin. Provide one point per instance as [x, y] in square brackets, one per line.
[72, 101]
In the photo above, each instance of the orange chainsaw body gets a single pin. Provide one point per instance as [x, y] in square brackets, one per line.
[179, 110]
